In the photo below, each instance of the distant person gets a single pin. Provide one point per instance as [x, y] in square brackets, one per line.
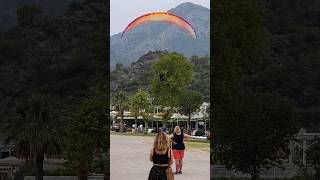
[178, 147]
[161, 156]
[165, 130]
[141, 127]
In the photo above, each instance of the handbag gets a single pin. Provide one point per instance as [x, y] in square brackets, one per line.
[169, 169]
[169, 173]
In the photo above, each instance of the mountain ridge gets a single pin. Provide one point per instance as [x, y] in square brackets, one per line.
[138, 74]
[160, 36]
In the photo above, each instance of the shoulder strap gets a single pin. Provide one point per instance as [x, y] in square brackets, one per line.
[169, 153]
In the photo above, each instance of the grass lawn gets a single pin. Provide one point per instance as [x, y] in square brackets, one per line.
[294, 178]
[132, 134]
[191, 144]
[198, 145]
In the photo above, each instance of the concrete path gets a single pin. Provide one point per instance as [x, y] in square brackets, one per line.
[129, 160]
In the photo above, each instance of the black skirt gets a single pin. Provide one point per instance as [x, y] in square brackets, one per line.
[158, 173]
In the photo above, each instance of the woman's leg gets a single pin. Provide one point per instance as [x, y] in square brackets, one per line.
[181, 160]
[181, 164]
[177, 165]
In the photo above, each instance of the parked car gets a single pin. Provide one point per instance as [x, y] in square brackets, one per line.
[150, 131]
[115, 128]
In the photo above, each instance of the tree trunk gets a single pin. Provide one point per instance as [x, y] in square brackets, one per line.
[254, 175]
[146, 126]
[83, 171]
[136, 123]
[164, 125]
[189, 124]
[39, 166]
[169, 111]
[106, 170]
[121, 122]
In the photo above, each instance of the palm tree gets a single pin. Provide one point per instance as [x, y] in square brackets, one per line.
[146, 119]
[36, 132]
[138, 102]
[120, 101]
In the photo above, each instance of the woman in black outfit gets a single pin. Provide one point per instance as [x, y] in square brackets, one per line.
[178, 147]
[161, 156]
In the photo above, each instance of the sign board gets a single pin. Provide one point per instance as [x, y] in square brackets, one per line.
[201, 123]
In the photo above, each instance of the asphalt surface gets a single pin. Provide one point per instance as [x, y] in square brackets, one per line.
[130, 160]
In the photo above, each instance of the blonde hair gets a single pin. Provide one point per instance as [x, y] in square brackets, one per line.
[161, 142]
[177, 129]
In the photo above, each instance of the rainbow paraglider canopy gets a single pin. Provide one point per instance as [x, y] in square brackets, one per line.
[162, 17]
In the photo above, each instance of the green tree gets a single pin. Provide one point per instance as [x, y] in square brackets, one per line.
[251, 126]
[121, 101]
[188, 102]
[170, 75]
[87, 136]
[313, 153]
[201, 80]
[37, 132]
[237, 44]
[146, 119]
[256, 128]
[139, 102]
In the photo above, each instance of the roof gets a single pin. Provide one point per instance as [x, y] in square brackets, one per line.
[10, 161]
[178, 116]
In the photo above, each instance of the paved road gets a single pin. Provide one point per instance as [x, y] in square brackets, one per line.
[129, 160]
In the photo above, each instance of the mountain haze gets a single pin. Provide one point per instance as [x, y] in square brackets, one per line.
[161, 36]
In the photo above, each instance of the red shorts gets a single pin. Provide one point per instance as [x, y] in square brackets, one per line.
[178, 154]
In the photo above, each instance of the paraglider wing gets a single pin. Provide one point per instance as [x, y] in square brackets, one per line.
[162, 17]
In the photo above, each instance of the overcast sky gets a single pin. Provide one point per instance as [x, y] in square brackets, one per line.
[124, 11]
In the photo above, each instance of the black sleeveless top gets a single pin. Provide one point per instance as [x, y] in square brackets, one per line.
[160, 158]
[179, 140]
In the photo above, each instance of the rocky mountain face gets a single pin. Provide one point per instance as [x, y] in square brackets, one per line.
[139, 74]
[8, 9]
[127, 78]
[161, 36]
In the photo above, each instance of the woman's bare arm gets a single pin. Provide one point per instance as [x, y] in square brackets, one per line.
[171, 136]
[151, 155]
[186, 136]
[170, 157]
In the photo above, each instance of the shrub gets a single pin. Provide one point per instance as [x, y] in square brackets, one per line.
[200, 133]
[154, 131]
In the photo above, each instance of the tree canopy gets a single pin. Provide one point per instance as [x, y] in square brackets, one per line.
[250, 126]
[189, 102]
[36, 131]
[87, 138]
[121, 103]
[139, 102]
[170, 76]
